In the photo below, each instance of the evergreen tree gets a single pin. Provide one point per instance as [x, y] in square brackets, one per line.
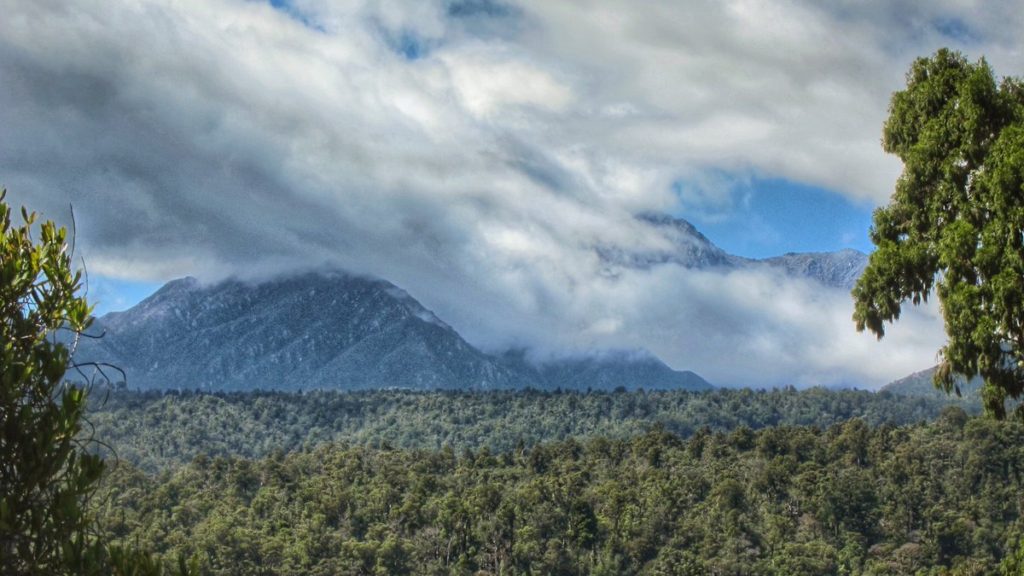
[955, 221]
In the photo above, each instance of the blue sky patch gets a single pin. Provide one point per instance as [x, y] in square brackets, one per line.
[775, 216]
[407, 44]
[110, 294]
[286, 7]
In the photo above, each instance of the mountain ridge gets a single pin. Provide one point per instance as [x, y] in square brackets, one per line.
[332, 329]
[329, 330]
[921, 384]
[692, 249]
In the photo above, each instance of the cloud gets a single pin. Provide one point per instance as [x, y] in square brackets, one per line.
[477, 153]
[752, 327]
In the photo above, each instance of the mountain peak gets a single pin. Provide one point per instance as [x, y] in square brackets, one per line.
[321, 330]
[839, 269]
[687, 247]
[922, 384]
[692, 249]
[174, 289]
[612, 369]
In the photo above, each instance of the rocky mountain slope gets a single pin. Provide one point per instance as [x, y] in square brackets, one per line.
[328, 331]
[837, 269]
[335, 330]
[307, 331]
[692, 249]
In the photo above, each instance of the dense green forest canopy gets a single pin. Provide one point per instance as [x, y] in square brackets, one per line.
[934, 498]
[156, 430]
[722, 482]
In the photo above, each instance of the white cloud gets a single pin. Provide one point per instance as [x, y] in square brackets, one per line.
[489, 81]
[477, 154]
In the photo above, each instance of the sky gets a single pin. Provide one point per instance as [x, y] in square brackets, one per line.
[482, 154]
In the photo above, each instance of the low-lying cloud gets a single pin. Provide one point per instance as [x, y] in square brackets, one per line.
[478, 153]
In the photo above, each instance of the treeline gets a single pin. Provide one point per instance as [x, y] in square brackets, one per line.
[938, 498]
[155, 430]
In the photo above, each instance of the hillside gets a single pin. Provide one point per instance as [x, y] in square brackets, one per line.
[158, 430]
[937, 498]
[308, 331]
[921, 384]
[617, 369]
[333, 331]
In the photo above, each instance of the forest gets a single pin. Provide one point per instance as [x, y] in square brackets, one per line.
[726, 482]
[157, 430]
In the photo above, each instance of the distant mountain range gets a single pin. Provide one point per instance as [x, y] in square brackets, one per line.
[836, 269]
[334, 330]
[330, 331]
[692, 249]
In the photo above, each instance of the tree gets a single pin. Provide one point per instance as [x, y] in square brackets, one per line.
[44, 477]
[46, 474]
[955, 221]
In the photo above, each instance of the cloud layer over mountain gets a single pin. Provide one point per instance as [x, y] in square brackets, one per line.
[481, 155]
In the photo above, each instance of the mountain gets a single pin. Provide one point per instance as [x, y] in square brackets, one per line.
[340, 331]
[692, 249]
[308, 331]
[327, 331]
[837, 269]
[629, 370]
[921, 384]
[688, 247]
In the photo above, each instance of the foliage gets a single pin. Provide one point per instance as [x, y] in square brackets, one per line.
[46, 475]
[785, 500]
[955, 220]
[157, 430]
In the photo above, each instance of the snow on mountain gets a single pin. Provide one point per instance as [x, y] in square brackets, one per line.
[692, 249]
[837, 269]
[687, 247]
[308, 331]
[333, 330]
[327, 331]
